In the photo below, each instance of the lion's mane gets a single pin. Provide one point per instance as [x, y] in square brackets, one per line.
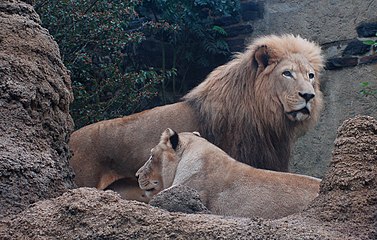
[236, 95]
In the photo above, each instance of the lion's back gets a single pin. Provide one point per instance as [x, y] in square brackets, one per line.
[122, 145]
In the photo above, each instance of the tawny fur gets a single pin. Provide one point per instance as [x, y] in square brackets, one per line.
[242, 107]
[239, 108]
[226, 186]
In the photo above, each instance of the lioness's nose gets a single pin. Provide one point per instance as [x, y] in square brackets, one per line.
[306, 96]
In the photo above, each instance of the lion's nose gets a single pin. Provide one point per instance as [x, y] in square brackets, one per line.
[306, 96]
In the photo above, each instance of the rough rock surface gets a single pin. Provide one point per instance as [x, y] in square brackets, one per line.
[35, 94]
[179, 198]
[348, 192]
[322, 21]
[345, 209]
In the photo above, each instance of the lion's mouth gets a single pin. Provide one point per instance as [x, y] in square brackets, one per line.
[295, 114]
[150, 189]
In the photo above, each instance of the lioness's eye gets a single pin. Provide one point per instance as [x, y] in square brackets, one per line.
[287, 74]
[311, 75]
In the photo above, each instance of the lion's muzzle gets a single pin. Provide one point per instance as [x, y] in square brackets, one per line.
[307, 96]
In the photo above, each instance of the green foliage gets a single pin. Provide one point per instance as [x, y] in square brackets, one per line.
[187, 35]
[371, 42]
[100, 42]
[367, 89]
[107, 81]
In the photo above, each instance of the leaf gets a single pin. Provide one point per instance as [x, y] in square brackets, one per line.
[369, 42]
[219, 30]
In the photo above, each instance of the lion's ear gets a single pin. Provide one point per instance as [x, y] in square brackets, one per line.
[262, 57]
[169, 136]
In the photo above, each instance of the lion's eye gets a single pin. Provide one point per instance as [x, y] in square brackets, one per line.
[287, 74]
[311, 75]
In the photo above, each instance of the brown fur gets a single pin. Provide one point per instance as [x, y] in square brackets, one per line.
[226, 186]
[243, 107]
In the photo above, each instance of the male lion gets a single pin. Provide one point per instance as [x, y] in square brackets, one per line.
[226, 186]
[253, 107]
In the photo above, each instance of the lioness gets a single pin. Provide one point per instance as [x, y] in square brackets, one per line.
[226, 186]
[253, 107]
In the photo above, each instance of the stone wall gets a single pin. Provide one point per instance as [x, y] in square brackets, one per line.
[339, 27]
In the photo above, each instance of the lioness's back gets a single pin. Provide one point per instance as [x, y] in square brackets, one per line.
[238, 189]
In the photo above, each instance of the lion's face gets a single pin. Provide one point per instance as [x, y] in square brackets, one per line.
[159, 171]
[295, 85]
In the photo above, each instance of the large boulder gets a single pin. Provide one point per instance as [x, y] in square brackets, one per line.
[345, 208]
[348, 192]
[179, 198]
[35, 93]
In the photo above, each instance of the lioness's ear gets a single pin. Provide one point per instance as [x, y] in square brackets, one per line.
[174, 139]
[170, 136]
[261, 57]
[196, 134]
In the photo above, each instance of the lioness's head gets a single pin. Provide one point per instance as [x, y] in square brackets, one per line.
[159, 171]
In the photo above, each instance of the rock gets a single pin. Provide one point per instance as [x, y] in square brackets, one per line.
[348, 192]
[335, 63]
[179, 199]
[87, 213]
[321, 21]
[35, 92]
[356, 47]
[368, 59]
[367, 29]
